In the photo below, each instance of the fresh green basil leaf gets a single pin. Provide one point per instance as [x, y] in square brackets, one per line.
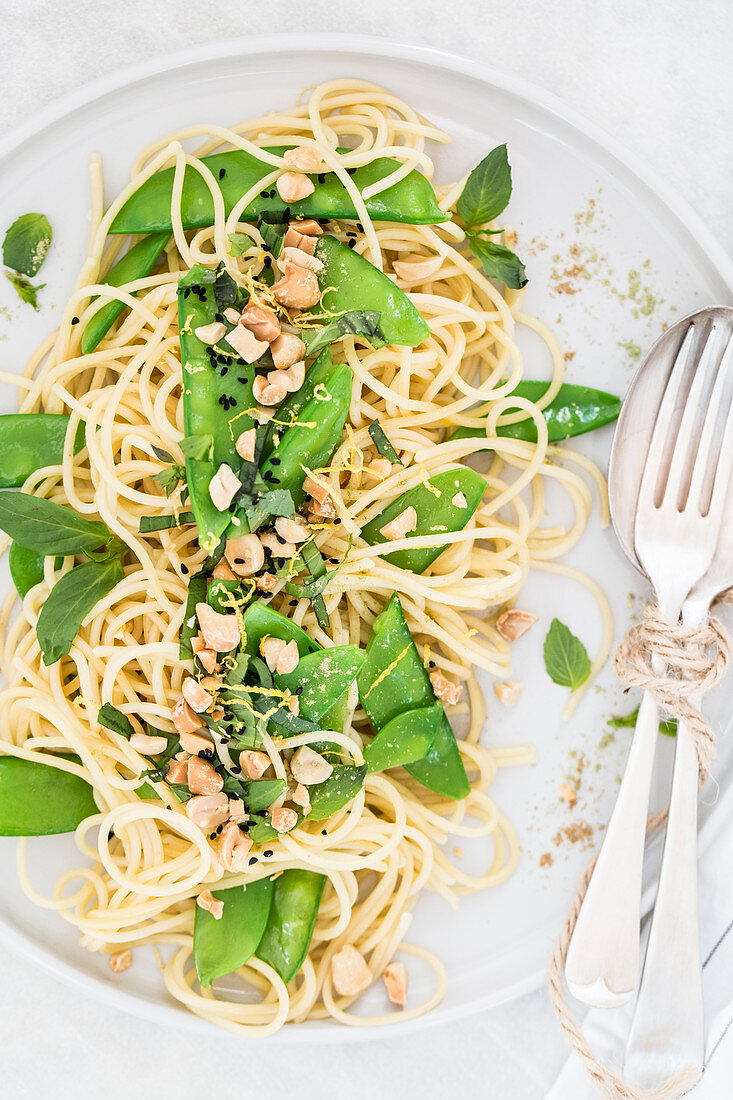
[273, 230]
[334, 793]
[27, 292]
[487, 190]
[70, 601]
[200, 447]
[27, 242]
[277, 502]
[197, 587]
[499, 262]
[239, 243]
[162, 523]
[48, 528]
[261, 793]
[171, 478]
[113, 719]
[382, 443]
[164, 456]
[566, 659]
[355, 322]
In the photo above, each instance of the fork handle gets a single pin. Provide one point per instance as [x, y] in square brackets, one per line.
[603, 957]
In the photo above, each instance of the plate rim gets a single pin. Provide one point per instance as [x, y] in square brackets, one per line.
[492, 77]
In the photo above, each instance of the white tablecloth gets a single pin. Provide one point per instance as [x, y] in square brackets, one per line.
[657, 75]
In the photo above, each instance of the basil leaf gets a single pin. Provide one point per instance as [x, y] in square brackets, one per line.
[227, 292]
[200, 447]
[48, 528]
[499, 262]
[26, 291]
[27, 242]
[261, 793]
[566, 659]
[487, 190]
[278, 502]
[170, 479]
[196, 594]
[239, 243]
[113, 719]
[668, 726]
[334, 793]
[273, 230]
[355, 322]
[164, 456]
[382, 443]
[162, 523]
[70, 601]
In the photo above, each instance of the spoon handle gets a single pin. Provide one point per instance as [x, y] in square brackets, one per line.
[603, 957]
[667, 1033]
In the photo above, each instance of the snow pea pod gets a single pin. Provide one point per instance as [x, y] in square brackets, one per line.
[392, 680]
[405, 739]
[213, 405]
[348, 281]
[222, 946]
[311, 441]
[295, 903]
[135, 264]
[37, 799]
[260, 620]
[148, 210]
[324, 676]
[342, 785]
[573, 411]
[436, 512]
[30, 441]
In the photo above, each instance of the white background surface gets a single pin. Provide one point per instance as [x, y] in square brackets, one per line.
[655, 75]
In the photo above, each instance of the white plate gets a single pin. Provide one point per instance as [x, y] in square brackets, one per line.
[577, 202]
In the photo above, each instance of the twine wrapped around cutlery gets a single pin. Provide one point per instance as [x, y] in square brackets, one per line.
[695, 660]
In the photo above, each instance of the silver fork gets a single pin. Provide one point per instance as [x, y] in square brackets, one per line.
[675, 542]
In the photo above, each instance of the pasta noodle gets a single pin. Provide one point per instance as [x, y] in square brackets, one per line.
[144, 861]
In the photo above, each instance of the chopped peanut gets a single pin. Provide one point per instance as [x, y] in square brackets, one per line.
[514, 623]
[414, 269]
[349, 971]
[309, 226]
[151, 746]
[286, 350]
[261, 322]
[233, 847]
[508, 692]
[298, 257]
[301, 797]
[325, 509]
[395, 979]
[308, 766]
[283, 820]
[278, 549]
[245, 554]
[245, 445]
[266, 392]
[223, 572]
[207, 901]
[294, 186]
[254, 764]
[401, 525]
[221, 632]
[120, 961]
[266, 582]
[292, 530]
[459, 501]
[232, 315]
[203, 778]
[223, 486]
[197, 742]
[178, 770]
[291, 379]
[445, 689]
[208, 810]
[294, 239]
[288, 659]
[246, 344]
[292, 702]
[198, 698]
[567, 793]
[304, 158]
[210, 334]
[185, 718]
[379, 468]
[298, 288]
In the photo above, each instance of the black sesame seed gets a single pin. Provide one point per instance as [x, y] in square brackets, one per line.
[321, 177]
[219, 829]
[275, 461]
[431, 664]
[351, 242]
[253, 859]
[186, 292]
[360, 227]
[75, 320]
[224, 371]
[233, 402]
[212, 836]
[268, 261]
[299, 689]
[337, 520]
[219, 317]
[264, 194]
[286, 214]
[184, 569]
[351, 171]
[268, 852]
[233, 507]
[261, 813]
[222, 173]
[324, 832]
[293, 603]
[237, 770]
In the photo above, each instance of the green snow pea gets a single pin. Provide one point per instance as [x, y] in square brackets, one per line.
[37, 799]
[204, 414]
[407, 738]
[436, 514]
[407, 686]
[26, 568]
[573, 411]
[30, 441]
[295, 903]
[148, 210]
[349, 281]
[222, 946]
[135, 264]
[316, 435]
[261, 620]
[221, 593]
[324, 677]
[344, 783]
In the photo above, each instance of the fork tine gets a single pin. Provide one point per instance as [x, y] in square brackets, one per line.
[721, 469]
[683, 459]
[705, 466]
[651, 474]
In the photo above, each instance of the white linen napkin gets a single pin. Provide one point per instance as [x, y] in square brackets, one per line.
[606, 1029]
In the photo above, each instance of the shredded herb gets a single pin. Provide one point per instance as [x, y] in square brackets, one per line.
[162, 523]
[382, 443]
[668, 726]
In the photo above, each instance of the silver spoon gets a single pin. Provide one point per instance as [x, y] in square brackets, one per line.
[602, 964]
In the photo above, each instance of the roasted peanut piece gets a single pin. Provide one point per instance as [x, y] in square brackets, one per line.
[395, 979]
[254, 764]
[349, 971]
[401, 525]
[286, 350]
[261, 322]
[223, 486]
[283, 820]
[245, 445]
[309, 767]
[151, 746]
[121, 960]
[203, 778]
[292, 530]
[233, 848]
[221, 632]
[245, 554]
[445, 689]
[197, 697]
[298, 288]
[414, 269]
[246, 344]
[514, 623]
[508, 692]
[208, 810]
[185, 718]
[304, 158]
[207, 901]
[294, 186]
